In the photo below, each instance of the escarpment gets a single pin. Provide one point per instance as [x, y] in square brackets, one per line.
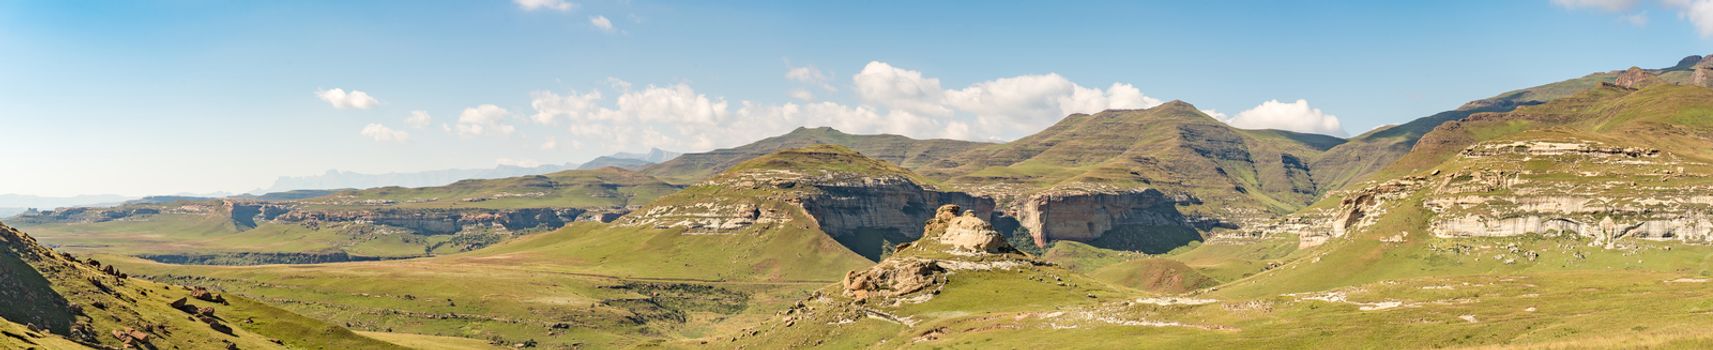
[440, 221]
[1579, 188]
[1598, 191]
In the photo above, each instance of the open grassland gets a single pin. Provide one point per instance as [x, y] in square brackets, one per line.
[590, 284]
[214, 234]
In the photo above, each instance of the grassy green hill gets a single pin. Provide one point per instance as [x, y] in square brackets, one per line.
[899, 150]
[1173, 147]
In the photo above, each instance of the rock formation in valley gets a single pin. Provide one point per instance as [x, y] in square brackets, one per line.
[863, 203]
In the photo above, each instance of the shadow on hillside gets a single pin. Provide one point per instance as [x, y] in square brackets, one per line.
[1151, 239]
[26, 297]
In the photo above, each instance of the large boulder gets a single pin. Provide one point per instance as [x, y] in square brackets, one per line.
[892, 278]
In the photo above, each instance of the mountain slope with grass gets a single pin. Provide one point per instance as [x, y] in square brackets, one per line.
[1367, 153]
[1147, 180]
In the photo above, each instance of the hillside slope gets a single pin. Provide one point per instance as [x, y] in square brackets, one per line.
[1368, 153]
[1617, 169]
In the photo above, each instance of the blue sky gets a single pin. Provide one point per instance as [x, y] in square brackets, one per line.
[196, 96]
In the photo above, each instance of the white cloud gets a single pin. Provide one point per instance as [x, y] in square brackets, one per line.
[381, 133]
[811, 76]
[1608, 5]
[342, 100]
[802, 95]
[1698, 12]
[882, 84]
[484, 120]
[677, 104]
[551, 143]
[1295, 116]
[618, 84]
[602, 23]
[1022, 104]
[894, 101]
[532, 5]
[418, 119]
[1637, 19]
[549, 106]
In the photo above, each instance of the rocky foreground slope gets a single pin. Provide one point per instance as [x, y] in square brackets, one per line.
[62, 300]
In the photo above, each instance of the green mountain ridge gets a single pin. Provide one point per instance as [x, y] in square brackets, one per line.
[900, 150]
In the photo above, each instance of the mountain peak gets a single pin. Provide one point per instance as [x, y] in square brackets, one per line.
[1175, 104]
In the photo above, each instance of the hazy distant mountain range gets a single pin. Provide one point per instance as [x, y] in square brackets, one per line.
[336, 179]
[333, 179]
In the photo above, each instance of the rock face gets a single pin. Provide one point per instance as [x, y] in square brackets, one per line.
[705, 218]
[1703, 75]
[1087, 215]
[1635, 78]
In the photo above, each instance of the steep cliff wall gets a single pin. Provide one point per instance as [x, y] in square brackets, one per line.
[896, 206]
[1087, 216]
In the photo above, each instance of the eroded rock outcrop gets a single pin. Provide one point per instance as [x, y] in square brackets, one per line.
[1636, 78]
[1703, 75]
[966, 233]
[950, 242]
